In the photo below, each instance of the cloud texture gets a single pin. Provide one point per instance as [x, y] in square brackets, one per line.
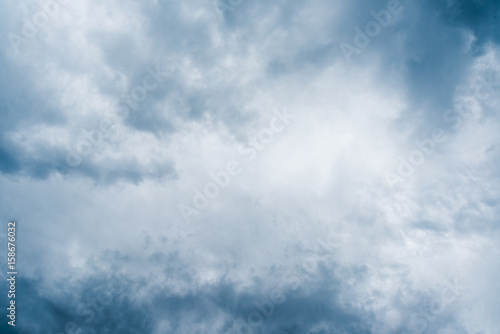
[257, 166]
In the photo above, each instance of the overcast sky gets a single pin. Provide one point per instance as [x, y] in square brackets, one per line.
[251, 166]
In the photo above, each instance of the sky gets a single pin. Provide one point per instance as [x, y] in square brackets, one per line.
[251, 166]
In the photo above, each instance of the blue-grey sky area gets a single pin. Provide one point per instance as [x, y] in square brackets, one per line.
[251, 166]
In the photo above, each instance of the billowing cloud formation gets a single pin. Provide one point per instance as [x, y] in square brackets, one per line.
[238, 166]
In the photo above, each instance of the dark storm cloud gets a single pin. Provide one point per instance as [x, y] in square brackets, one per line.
[434, 52]
[116, 303]
[27, 102]
[22, 106]
[481, 17]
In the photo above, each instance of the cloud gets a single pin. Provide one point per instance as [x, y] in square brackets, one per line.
[114, 114]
